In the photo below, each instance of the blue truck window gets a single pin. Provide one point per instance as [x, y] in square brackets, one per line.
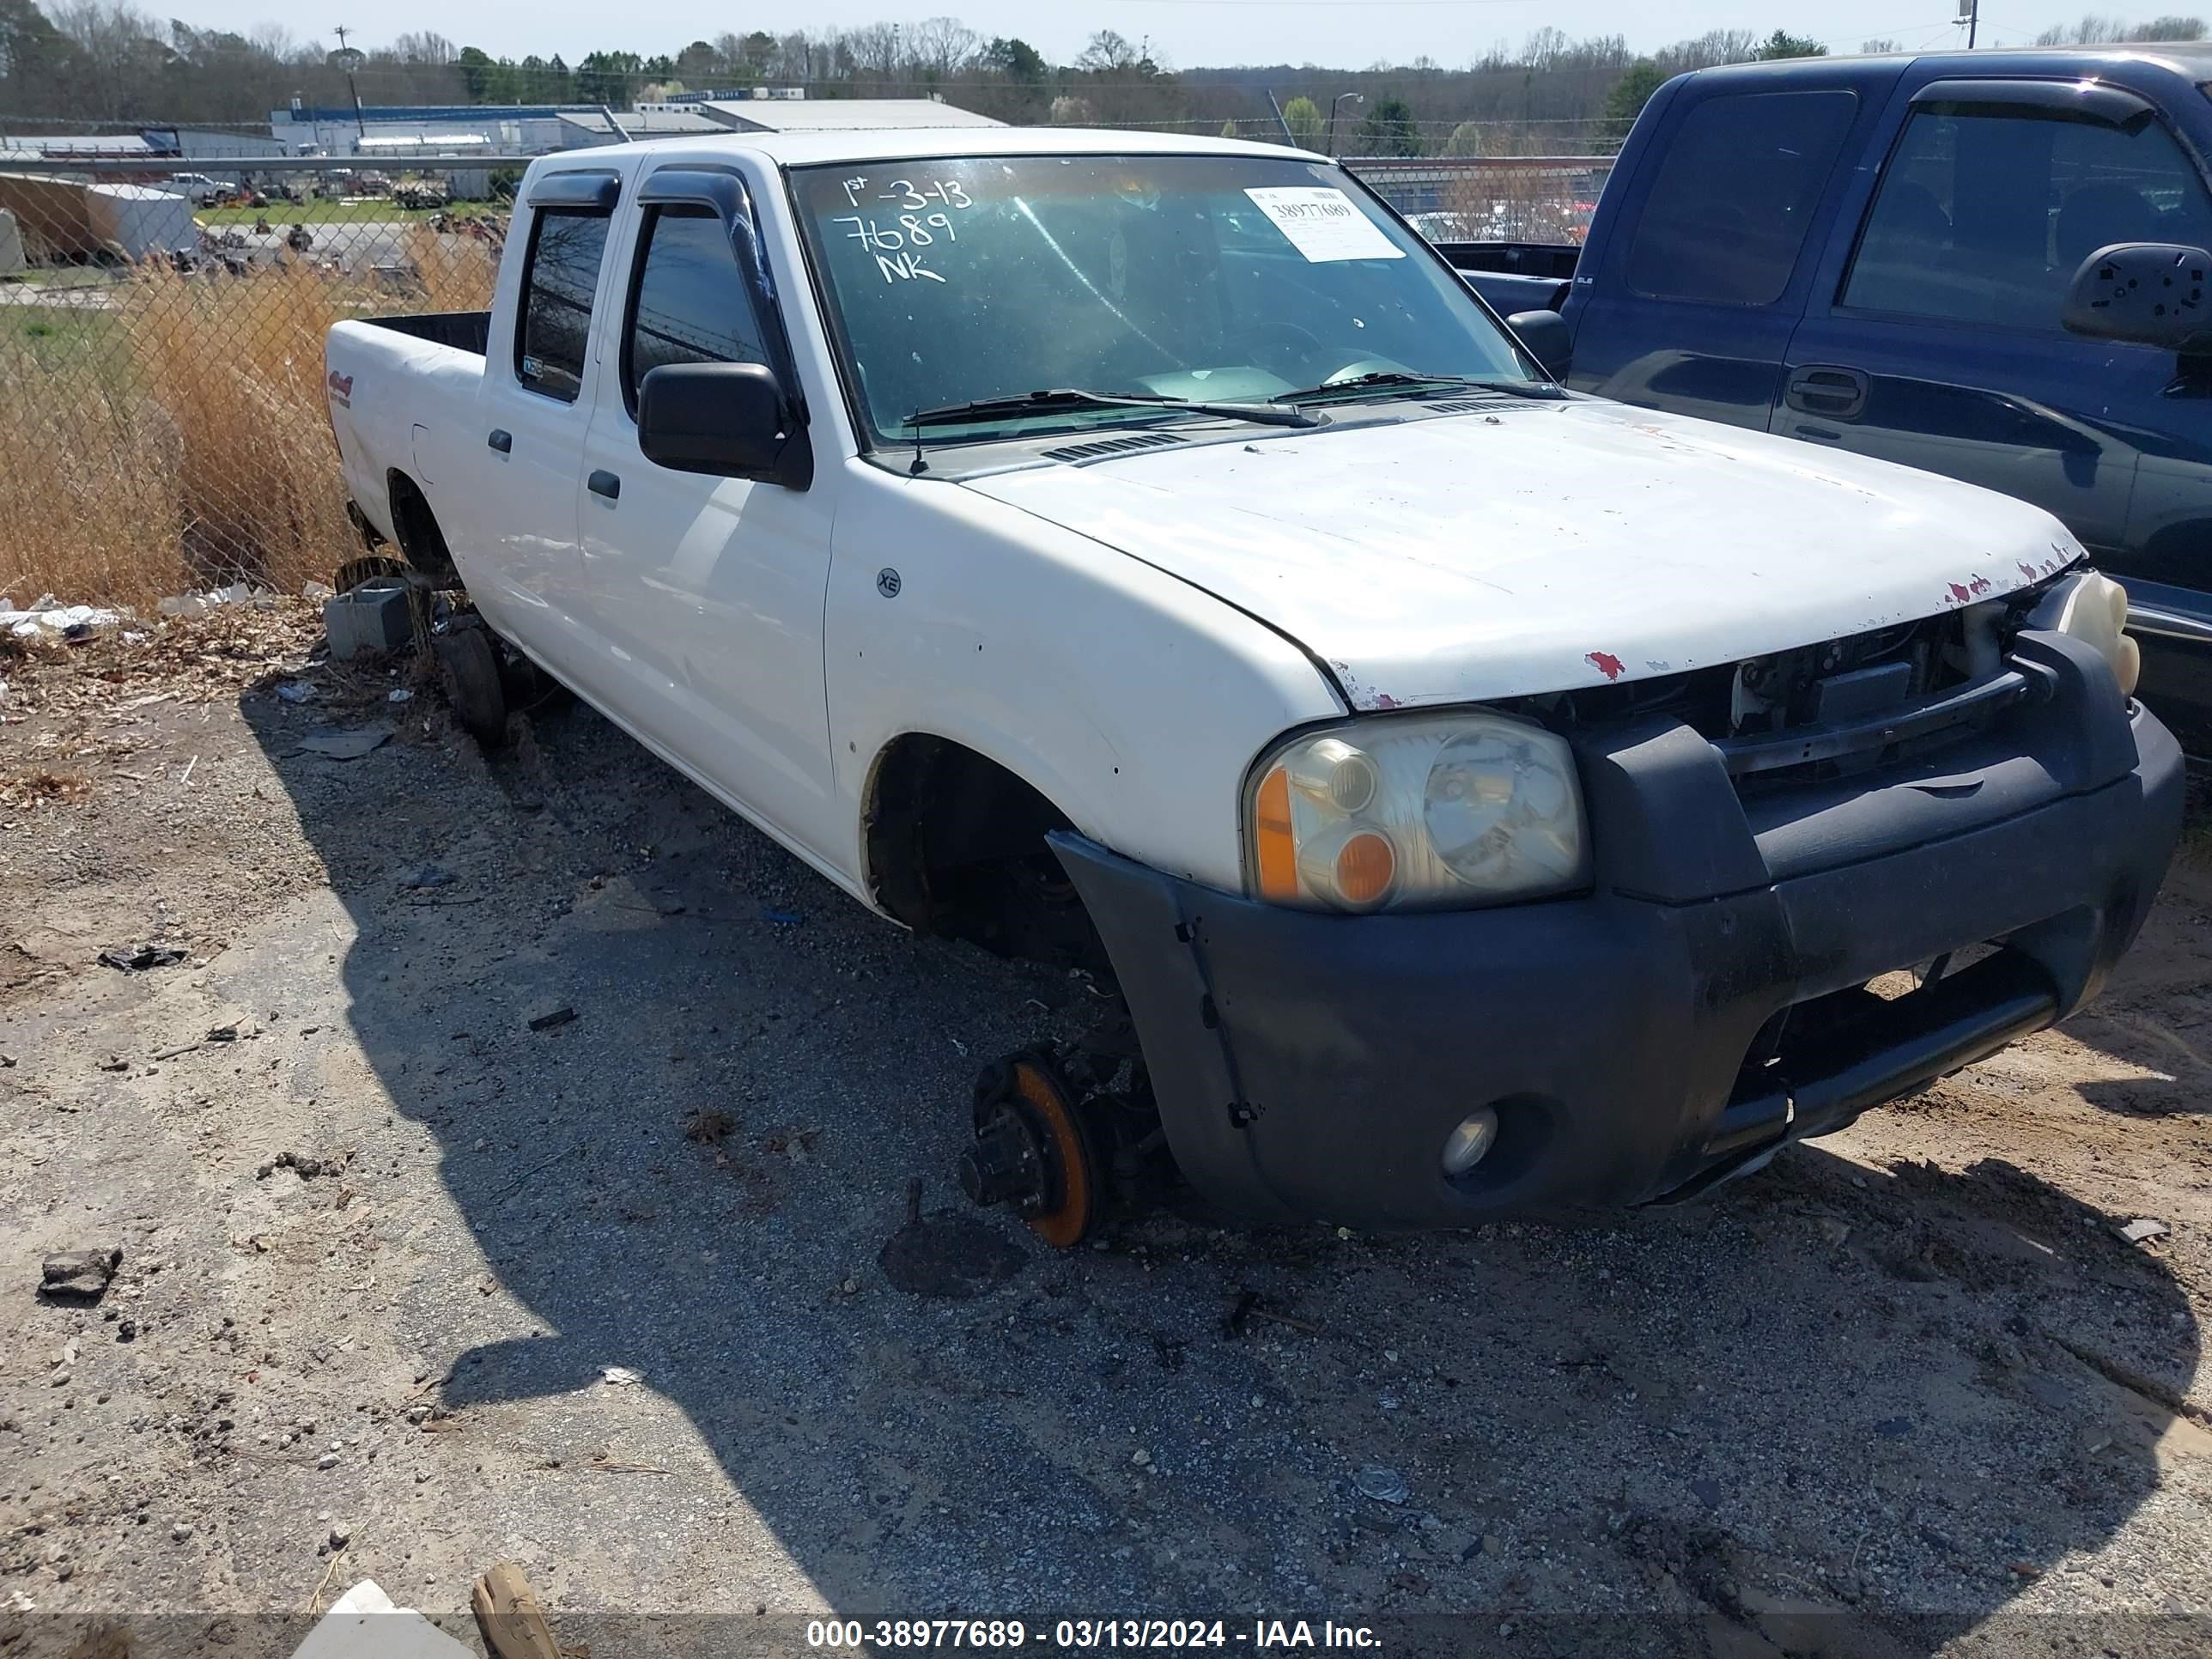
[1728, 214]
[1984, 216]
[559, 278]
[691, 304]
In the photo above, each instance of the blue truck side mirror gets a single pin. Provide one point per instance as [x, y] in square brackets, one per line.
[2150, 293]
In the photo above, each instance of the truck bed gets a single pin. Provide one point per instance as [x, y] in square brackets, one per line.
[464, 331]
[1516, 275]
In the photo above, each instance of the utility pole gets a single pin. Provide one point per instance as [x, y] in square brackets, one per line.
[349, 60]
[1970, 14]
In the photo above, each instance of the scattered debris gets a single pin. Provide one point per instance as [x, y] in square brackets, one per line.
[1240, 1316]
[510, 1615]
[146, 956]
[198, 604]
[620, 1376]
[1251, 1305]
[79, 1275]
[548, 1022]
[399, 693]
[709, 1125]
[2141, 1231]
[364, 1623]
[951, 1255]
[1383, 1485]
[429, 875]
[315, 593]
[781, 918]
[296, 692]
[348, 744]
[37, 784]
[307, 1167]
[50, 621]
[605, 1463]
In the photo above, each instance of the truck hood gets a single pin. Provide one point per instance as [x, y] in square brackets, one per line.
[1538, 547]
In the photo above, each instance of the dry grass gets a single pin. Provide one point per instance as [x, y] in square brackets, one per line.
[179, 437]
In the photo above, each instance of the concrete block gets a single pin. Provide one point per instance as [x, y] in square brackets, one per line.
[372, 617]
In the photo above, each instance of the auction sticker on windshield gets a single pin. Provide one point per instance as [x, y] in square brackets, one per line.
[1323, 224]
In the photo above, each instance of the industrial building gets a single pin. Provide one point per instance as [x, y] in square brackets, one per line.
[398, 135]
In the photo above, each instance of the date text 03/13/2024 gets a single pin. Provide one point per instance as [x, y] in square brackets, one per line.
[1087, 1634]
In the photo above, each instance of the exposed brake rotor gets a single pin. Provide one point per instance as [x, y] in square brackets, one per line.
[1034, 1149]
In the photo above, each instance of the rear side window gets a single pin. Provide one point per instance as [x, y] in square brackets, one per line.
[1728, 214]
[1984, 214]
[559, 278]
[690, 304]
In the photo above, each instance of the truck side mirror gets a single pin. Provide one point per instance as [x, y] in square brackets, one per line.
[730, 420]
[1545, 336]
[2149, 293]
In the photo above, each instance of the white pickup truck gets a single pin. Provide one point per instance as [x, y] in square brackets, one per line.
[1144, 552]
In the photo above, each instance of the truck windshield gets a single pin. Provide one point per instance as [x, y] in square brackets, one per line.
[1215, 278]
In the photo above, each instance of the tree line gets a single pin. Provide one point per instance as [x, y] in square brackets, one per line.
[106, 62]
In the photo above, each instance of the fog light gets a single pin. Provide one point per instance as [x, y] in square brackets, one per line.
[1465, 1147]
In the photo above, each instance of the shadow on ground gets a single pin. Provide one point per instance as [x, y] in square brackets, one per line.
[1834, 1410]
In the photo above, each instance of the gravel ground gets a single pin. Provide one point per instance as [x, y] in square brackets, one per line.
[604, 1297]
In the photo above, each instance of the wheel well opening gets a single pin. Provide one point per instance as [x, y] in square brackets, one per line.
[956, 847]
[415, 528]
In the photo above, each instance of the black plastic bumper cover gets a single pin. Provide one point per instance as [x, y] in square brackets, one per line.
[1310, 1066]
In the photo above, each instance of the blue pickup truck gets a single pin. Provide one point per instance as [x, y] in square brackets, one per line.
[1989, 264]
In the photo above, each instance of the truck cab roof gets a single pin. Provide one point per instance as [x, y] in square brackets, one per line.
[2189, 59]
[918, 144]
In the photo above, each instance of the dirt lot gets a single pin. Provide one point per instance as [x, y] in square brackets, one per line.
[1903, 1393]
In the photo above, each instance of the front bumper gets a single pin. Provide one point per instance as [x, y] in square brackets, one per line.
[1695, 1011]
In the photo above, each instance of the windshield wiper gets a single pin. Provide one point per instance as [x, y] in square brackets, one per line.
[1064, 397]
[1397, 380]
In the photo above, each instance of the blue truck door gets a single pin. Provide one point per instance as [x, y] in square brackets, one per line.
[1943, 283]
[1690, 302]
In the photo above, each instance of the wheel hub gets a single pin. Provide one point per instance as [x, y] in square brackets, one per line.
[1033, 1149]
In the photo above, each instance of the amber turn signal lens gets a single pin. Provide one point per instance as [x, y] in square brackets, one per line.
[1275, 846]
[1366, 865]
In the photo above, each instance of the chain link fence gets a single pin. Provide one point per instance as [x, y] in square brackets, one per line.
[1491, 198]
[163, 420]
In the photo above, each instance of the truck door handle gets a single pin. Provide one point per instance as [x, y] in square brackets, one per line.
[604, 483]
[1822, 389]
[501, 440]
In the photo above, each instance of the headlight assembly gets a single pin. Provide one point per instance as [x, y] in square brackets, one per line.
[1416, 812]
[2093, 609]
